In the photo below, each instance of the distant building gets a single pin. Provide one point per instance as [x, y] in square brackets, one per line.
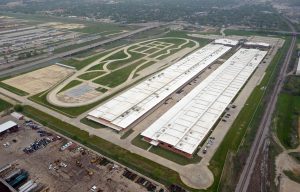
[298, 67]
[228, 42]
[256, 45]
[17, 115]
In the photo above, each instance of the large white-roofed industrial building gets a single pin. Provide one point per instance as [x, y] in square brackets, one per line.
[189, 122]
[127, 108]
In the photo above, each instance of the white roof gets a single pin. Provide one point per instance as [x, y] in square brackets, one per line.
[226, 42]
[187, 123]
[258, 44]
[7, 125]
[16, 115]
[126, 108]
[298, 67]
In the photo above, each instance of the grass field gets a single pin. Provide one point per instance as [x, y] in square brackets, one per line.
[134, 161]
[183, 34]
[117, 64]
[80, 64]
[4, 105]
[287, 115]
[126, 134]
[119, 76]
[174, 156]
[91, 123]
[98, 66]
[91, 75]
[137, 141]
[101, 89]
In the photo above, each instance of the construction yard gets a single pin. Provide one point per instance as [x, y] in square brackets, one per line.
[77, 168]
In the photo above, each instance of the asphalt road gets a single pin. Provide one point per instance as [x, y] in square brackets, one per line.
[265, 123]
[21, 67]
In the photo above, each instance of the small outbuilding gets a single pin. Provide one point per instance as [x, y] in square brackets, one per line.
[17, 115]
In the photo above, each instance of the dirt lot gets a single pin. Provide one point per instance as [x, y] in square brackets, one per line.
[74, 169]
[288, 185]
[39, 80]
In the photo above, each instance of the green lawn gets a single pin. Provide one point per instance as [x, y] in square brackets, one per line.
[137, 141]
[174, 156]
[91, 75]
[184, 34]
[13, 89]
[91, 123]
[292, 85]
[143, 165]
[287, 116]
[80, 64]
[126, 134]
[118, 55]
[70, 85]
[119, 76]
[4, 105]
[101, 89]
[98, 66]
[174, 41]
[117, 64]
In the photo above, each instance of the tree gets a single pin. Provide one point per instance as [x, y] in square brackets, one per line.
[18, 108]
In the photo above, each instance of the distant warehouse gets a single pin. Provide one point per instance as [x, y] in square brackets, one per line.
[257, 45]
[186, 124]
[125, 109]
[298, 67]
[228, 42]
